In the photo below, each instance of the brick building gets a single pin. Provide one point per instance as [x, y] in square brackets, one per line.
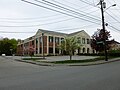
[49, 40]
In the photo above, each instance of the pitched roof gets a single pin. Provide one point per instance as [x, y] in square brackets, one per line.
[116, 42]
[52, 32]
[72, 34]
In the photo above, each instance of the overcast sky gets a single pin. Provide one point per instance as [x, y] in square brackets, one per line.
[21, 20]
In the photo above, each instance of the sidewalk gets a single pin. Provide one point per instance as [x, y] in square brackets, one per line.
[71, 64]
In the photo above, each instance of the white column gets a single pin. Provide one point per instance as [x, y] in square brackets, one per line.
[47, 45]
[38, 45]
[42, 38]
[54, 45]
[59, 44]
[35, 45]
[23, 49]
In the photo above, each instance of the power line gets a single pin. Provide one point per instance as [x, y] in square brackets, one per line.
[114, 28]
[88, 3]
[67, 29]
[86, 14]
[117, 5]
[38, 24]
[5, 18]
[75, 28]
[75, 4]
[68, 10]
[32, 22]
[112, 17]
[15, 32]
[39, 21]
[58, 11]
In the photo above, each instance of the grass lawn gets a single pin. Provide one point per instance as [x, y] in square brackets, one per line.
[33, 58]
[67, 61]
[78, 61]
[81, 61]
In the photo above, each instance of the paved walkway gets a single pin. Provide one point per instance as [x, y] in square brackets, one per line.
[57, 58]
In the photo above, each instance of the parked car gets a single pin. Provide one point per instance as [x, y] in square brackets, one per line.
[3, 55]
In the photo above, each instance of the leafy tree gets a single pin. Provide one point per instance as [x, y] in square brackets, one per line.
[69, 44]
[97, 41]
[8, 46]
[14, 45]
[31, 51]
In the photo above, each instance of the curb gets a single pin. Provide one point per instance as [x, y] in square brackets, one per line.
[95, 63]
[32, 62]
[47, 64]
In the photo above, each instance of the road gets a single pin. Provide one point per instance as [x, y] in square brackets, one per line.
[16, 75]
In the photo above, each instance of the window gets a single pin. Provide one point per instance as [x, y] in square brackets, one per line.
[79, 40]
[26, 45]
[50, 50]
[40, 39]
[79, 50]
[62, 39]
[56, 39]
[50, 39]
[88, 41]
[36, 40]
[83, 40]
[33, 42]
[40, 51]
[88, 50]
[56, 50]
[83, 50]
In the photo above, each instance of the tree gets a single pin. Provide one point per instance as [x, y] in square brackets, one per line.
[31, 51]
[14, 45]
[69, 44]
[8, 46]
[97, 41]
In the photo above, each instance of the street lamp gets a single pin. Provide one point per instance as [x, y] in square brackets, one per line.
[109, 7]
[103, 6]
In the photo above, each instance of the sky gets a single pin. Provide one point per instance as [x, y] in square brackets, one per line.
[20, 20]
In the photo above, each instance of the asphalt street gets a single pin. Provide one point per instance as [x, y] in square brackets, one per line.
[16, 75]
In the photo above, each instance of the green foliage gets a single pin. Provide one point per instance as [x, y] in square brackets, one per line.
[114, 53]
[69, 45]
[8, 46]
[97, 41]
[34, 59]
[78, 61]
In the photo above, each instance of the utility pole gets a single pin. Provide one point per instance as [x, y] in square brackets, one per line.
[103, 5]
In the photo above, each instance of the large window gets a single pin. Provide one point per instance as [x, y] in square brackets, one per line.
[40, 51]
[79, 40]
[50, 50]
[33, 42]
[88, 50]
[56, 39]
[83, 40]
[40, 39]
[56, 50]
[83, 50]
[50, 38]
[36, 40]
[62, 39]
[88, 41]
